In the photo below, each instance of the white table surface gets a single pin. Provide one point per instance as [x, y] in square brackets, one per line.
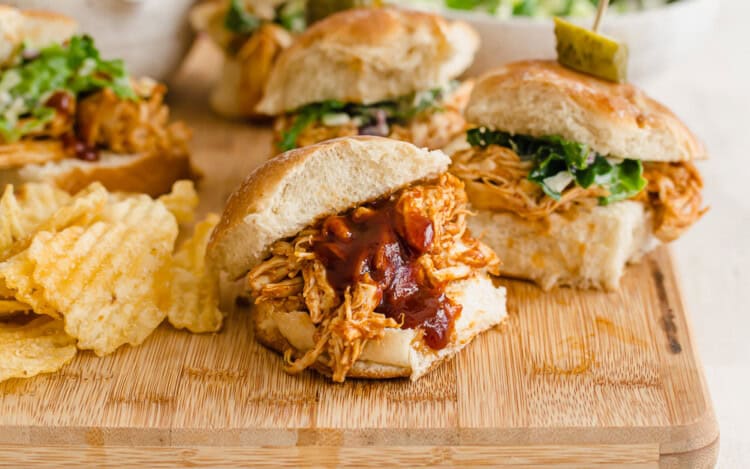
[711, 92]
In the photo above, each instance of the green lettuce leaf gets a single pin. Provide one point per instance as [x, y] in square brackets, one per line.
[397, 111]
[306, 116]
[75, 68]
[553, 155]
[289, 15]
[239, 20]
[490, 6]
[292, 16]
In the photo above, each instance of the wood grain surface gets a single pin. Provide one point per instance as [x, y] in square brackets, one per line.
[571, 378]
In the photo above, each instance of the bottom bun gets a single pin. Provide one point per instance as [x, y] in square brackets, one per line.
[151, 174]
[585, 247]
[400, 353]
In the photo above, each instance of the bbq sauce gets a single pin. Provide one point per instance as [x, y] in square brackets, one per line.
[79, 148]
[380, 244]
[64, 103]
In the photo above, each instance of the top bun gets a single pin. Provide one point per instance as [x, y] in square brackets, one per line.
[540, 98]
[297, 188]
[37, 28]
[369, 55]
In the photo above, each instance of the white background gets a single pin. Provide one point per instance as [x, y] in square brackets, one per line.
[711, 92]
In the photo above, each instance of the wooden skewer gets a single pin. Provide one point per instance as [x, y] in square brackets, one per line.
[603, 4]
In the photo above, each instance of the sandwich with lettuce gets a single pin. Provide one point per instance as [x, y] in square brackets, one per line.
[573, 177]
[69, 116]
[251, 34]
[372, 71]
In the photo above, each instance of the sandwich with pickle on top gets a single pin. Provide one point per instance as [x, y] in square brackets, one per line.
[573, 177]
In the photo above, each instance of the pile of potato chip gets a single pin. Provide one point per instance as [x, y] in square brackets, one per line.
[97, 270]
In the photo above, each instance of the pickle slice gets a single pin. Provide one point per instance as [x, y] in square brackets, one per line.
[588, 52]
[319, 9]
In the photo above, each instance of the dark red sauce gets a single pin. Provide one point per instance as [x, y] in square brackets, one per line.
[79, 148]
[62, 102]
[381, 244]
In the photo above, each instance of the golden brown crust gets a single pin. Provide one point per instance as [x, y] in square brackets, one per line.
[368, 55]
[543, 98]
[372, 27]
[151, 174]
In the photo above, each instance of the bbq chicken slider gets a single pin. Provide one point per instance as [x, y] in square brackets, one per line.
[70, 117]
[372, 71]
[573, 177]
[358, 259]
[252, 34]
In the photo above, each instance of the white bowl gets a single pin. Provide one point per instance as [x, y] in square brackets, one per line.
[151, 36]
[657, 38]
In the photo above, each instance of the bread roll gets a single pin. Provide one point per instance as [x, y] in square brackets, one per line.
[151, 174]
[398, 354]
[36, 28]
[541, 98]
[587, 247]
[296, 188]
[369, 55]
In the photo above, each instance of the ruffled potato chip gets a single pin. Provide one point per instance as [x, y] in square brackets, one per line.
[182, 201]
[81, 210]
[101, 270]
[38, 346]
[9, 307]
[24, 209]
[195, 288]
[106, 276]
[16, 279]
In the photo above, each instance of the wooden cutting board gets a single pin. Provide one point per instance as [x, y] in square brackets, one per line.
[571, 378]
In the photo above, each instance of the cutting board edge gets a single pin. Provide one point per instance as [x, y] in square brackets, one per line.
[669, 439]
[635, 455]
[704, 430]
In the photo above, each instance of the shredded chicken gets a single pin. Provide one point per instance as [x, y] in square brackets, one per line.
[496, 179]
[23, 152]
[433, 129]
[131, 126]
[313, 133]
[62, 122]
[294, 279]
[674, 194]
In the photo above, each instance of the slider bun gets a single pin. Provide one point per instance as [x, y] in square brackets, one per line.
[296, 188]
[36, 28]
[541, 98]
[588, 248]
[399, 353]
[369, 55]
[149, 173]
